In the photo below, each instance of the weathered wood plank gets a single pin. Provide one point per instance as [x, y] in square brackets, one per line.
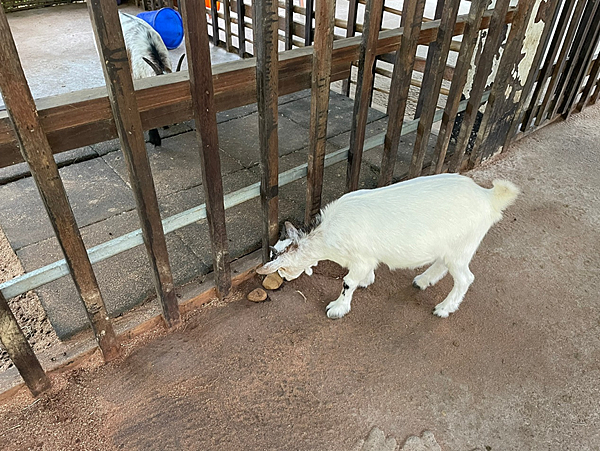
[205, 115]
[82, 118]
[372, 24]
[115, 64]
[432, 53]
[548, 66]
[265, 31]
[484, 68]
[559, 67]
[412, 16]
[319, 105]
[432, 79]
[36, 151]
[506, 91]
[15, 343]
[459, 79]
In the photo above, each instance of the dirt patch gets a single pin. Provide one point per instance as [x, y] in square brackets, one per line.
[27, 307]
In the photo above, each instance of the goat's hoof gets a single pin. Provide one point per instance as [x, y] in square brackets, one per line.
[336, 310]
[154, 137]
[443, 311]
[416, 284]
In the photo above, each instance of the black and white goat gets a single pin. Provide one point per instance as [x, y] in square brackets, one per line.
[438, 220]
[148, 55]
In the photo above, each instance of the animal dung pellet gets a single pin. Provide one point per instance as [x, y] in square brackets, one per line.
[257, 295]
[272, 281]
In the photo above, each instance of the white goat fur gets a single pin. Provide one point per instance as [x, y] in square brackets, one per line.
[438, 220]
[142, 41]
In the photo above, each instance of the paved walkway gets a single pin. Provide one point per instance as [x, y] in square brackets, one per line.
[517, 367]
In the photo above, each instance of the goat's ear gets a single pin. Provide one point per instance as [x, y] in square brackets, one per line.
[269, 268]
[180, 63]
[291, 231]
[154, 67]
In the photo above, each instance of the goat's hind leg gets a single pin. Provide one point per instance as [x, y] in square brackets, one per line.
[431, 276]
[463, 278]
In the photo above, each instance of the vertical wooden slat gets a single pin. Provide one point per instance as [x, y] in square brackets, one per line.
[15, 343]
[265, 22]
[483, 70]
[110, 44]
[412, 17]
[289, 23]
[502, 103]
[227, 19]
[580, 43]
[459, 79]
[555, 45]
[589, 86]
[215, 22]
[319, 105]
[350, 32]
[559, 67]
[432, 80]
[241, 12]
[371, 27]
[583, 65]
[432, 53]
[37, 153]
[549, 15]
[205, 115]
[308, 24]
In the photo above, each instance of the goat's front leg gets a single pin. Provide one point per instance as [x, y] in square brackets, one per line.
[354, 278]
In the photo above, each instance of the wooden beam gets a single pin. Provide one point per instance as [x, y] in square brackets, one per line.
[483, 70]
[289, 23]
[241, 10]
[265, 32]
[205, 115]
[319, 105]
[84, 117]
[350, 32]
[36, 152]
[117, 73]
[15, 343]
[432, 78]
[308, 22]
[412, 16]
[372, 24]
[459, 79]
[215, 21]
[227, 20]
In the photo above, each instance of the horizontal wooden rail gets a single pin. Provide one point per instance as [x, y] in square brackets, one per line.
[84, 117]
[58, 269]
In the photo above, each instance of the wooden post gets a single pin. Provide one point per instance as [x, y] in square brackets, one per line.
[589, 86]
[289, 23]
[350, 32]
[483, 70]
[205, 115]
[241, 14]
[557, 41]
[432, 53]
[319, 105]
[432, 80]
[265, 22]
[227, 19]
[503, 103]
[557, 73]
[14, 341]
[214, 12]
[110, 44]
[308, 27]
[412, 16]
[459, 79]
[37, 153]
[368, 47]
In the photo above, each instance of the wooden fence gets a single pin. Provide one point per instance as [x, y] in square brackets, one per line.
[533, 86]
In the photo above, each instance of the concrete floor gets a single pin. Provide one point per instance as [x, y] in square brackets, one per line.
[517, 367]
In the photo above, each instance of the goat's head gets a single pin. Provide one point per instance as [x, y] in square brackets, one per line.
[288, 260]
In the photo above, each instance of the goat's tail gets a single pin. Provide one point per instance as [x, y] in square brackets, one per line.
[504, 194]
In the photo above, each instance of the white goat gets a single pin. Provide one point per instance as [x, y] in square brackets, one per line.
[438, 220]
[147, 53]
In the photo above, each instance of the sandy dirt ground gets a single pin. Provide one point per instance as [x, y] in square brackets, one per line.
[516, 368]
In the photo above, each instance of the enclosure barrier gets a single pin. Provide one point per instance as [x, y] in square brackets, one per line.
[561, 76]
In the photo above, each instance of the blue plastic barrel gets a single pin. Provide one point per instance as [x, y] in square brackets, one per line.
[167, 22]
